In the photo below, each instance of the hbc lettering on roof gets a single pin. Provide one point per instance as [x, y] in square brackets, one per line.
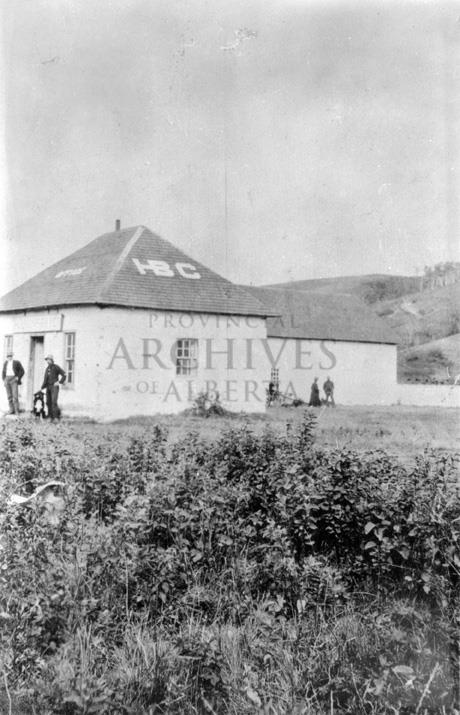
[164, 270]
[70, 272]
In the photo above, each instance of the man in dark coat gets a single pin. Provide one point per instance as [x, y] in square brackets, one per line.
[328, 388]
[54, 376]
[12, 375]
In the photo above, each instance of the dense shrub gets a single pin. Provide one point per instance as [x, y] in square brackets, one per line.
[250, 574]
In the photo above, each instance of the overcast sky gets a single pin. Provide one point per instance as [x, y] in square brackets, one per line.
[272, 140]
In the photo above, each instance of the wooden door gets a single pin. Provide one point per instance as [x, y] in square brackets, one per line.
[36, 365]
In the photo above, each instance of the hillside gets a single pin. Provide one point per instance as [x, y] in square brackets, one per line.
[370, 288]
[436, 361]
[422, 317]
[416, 316]
[428, 318]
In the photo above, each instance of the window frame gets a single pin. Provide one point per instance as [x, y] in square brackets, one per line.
[186, 356]
[8, 345]
[69, 357]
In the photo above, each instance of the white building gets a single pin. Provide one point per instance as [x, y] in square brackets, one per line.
[319, 335]
[140, 328]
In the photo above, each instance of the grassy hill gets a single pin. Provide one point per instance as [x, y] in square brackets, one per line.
[438, 360]
[416, 316]
[427, 318]
[422, 317]
[370, 288]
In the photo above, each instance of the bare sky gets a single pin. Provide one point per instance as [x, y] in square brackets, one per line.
[269, 139]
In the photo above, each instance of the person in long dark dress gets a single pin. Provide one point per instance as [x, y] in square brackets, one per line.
[315, 400]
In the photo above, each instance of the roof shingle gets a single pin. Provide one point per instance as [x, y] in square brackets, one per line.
[123, 268]
[321, 317]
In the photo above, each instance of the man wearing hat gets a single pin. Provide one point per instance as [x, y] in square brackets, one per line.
[54, 376]
[12, 375]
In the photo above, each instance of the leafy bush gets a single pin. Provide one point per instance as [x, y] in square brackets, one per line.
[249, 574]
[206, 404]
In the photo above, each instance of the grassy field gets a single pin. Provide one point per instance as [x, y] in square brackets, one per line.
[401, 431]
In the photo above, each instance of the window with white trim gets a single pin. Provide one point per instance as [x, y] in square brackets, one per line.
[186, 356]
[69, 357]
[7, 345]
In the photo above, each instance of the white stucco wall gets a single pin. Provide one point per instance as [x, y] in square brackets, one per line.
[53, 325]
[138, 369]
[123, 363]
[363, 373]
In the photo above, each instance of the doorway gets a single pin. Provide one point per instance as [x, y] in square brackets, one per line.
[36, 365]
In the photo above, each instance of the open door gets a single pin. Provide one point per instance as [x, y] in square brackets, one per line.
[36, 365]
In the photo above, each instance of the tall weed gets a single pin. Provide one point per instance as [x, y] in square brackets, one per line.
[256, 573]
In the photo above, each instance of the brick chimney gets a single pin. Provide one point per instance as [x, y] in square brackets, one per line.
[117, 224]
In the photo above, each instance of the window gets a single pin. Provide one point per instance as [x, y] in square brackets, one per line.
[8, 345]
[186, 356]
[69, 356]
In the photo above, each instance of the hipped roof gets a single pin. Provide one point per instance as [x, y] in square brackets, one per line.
[318, 316]
[105, 272]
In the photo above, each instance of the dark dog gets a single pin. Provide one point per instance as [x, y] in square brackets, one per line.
[39, 408]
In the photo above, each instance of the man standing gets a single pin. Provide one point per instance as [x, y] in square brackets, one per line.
[12, 375]
[54, 376]
[328, 388]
